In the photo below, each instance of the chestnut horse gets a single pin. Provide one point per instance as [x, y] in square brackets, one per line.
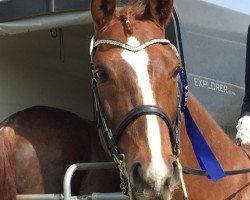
[136, 93]
[37, 145]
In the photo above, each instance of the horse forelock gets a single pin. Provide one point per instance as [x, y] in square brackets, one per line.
[129, 13]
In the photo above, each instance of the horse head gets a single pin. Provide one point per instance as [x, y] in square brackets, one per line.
[135, 88]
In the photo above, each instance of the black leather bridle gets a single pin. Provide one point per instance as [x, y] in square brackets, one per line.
[111, 139]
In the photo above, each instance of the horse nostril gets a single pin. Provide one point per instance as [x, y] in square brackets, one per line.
[167, 182]
[137, 176]
[175, 177]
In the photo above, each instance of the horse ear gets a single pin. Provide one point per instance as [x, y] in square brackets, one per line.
[159, 10]
[102, 11]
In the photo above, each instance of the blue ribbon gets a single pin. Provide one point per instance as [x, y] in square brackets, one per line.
[203, 153]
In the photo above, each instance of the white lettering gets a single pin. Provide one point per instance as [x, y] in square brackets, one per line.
[212, 85]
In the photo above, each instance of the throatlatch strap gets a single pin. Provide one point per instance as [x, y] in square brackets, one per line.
[204, 154]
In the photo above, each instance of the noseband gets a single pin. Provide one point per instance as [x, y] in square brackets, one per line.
[112, 139]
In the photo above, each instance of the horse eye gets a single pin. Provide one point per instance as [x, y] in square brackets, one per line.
[102, 76]
[176, 72]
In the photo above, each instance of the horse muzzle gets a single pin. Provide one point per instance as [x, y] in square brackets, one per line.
[150, 184]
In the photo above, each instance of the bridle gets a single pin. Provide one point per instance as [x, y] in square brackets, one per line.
[111, 139]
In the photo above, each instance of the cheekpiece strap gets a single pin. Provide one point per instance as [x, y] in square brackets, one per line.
[184, 83]
[101, 122]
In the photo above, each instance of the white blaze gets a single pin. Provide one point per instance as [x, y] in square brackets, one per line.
[139, 61]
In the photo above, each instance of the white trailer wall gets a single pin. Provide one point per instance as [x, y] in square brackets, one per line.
[31, 72]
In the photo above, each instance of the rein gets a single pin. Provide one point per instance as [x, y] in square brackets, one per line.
[198, 172]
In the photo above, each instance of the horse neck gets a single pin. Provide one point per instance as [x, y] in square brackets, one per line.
[217, 139]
